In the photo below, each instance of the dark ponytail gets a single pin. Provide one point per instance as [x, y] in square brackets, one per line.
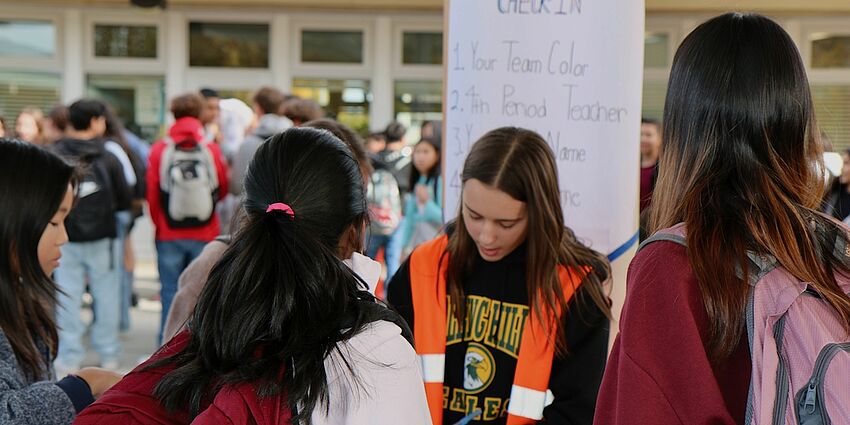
[275, 305]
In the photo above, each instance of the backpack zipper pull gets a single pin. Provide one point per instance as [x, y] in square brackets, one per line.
[811, 396]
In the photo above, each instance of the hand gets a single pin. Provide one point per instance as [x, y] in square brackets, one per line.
[99, 380]
[422, 195]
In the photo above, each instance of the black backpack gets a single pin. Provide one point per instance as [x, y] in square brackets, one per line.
[93, 215]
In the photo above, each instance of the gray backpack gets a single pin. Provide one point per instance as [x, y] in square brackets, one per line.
[188, 184]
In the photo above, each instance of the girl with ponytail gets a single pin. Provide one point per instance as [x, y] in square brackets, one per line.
[284, 332]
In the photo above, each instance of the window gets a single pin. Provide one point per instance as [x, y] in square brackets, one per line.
[138, 100]
[830, 51]
[19, 90]
[27, 38]
[332, 46]
[416, 102]
[832, 107]
[125, 41]
[228, 45]
[422, 48]
[654, 93]
[346, 100]
[655, 49]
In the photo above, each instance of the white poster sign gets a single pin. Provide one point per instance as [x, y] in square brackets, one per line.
[571, 70]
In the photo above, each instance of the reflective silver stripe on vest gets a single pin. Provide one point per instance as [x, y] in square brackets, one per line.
[433, 367]
[529, 403]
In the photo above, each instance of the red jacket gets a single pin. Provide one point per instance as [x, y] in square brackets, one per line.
[659, 372]
[183, 129]
[131, 401]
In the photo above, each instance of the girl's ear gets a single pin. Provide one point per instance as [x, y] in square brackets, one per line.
[351, 241]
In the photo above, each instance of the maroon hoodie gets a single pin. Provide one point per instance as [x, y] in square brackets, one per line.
[186, 128]
[658, 372]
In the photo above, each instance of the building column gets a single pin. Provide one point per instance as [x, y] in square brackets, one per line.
[73, 78]
[280, 52]
[381, 108]
[176, 56]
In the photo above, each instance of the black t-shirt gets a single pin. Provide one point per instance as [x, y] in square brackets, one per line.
[481, 358]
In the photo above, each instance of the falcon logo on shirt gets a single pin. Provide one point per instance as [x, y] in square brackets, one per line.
[478, 368]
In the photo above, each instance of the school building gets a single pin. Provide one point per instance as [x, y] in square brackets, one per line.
[366, 61]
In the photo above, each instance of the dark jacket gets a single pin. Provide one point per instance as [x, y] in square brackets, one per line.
[400, 163]
[93, 216]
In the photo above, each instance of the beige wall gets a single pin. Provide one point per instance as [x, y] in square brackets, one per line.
[773, 6]
[391, 5]
[652, 6]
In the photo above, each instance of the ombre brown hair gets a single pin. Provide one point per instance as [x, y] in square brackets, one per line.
[740, 168]
[520, 163]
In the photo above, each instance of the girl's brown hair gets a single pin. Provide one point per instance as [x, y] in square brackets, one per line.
[520, 163]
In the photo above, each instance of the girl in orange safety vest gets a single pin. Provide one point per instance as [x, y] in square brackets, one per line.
[508, 309]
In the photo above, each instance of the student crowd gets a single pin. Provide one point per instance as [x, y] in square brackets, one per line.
[269, 219]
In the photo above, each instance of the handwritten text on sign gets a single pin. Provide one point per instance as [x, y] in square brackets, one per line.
[571, 72]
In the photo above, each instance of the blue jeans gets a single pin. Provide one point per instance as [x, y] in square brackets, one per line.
[95, 260]
[172, 257]
[123, 220]
[392, 250]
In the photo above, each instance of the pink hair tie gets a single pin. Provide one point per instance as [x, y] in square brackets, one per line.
[280, 206]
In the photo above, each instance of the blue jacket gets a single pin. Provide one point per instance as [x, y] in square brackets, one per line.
[431, 212]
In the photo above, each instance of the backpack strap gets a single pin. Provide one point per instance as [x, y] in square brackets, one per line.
[165, 160]
[758, 265]
[379, 311]
[375, 311]
[676, 234]
[663, 236]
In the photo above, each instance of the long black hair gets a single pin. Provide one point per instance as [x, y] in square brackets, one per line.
[33, 183]
[742, 166]
[275, 304]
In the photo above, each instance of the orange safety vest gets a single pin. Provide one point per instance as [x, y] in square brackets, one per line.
[530, 391]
